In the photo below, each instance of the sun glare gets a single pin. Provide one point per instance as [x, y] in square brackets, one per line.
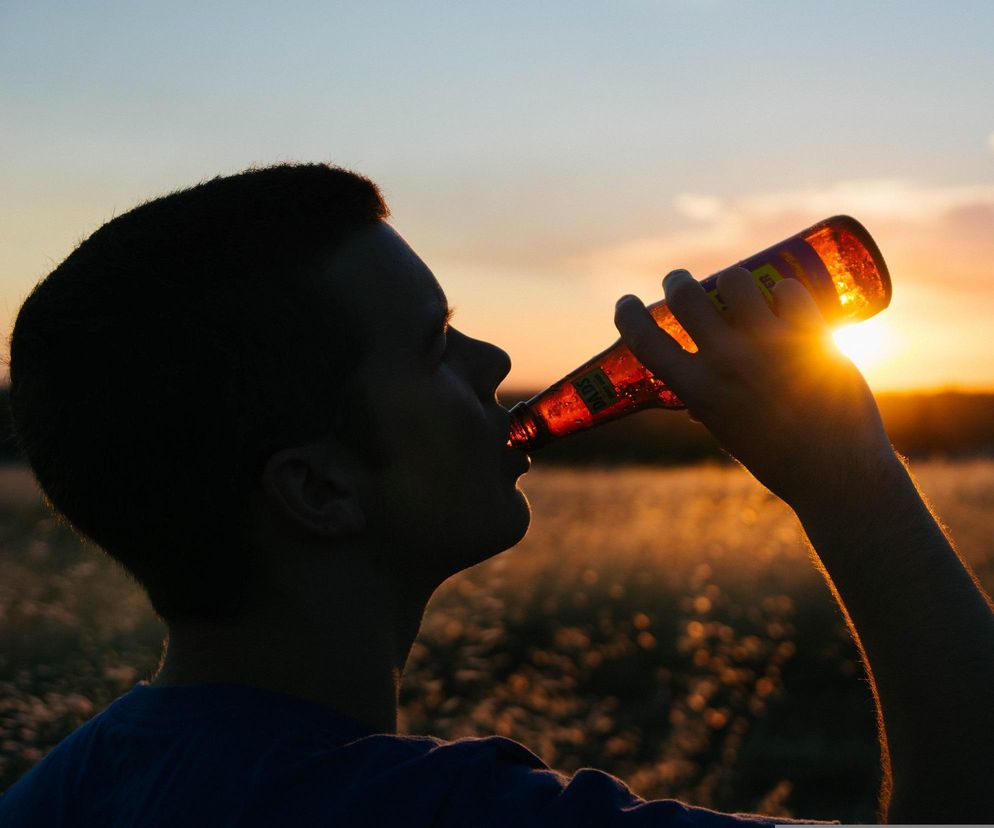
[866, 343]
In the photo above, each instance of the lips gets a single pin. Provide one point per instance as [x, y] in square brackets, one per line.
[524, 459]
[517, 460]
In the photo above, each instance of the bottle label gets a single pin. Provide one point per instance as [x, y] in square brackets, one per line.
[766, 277]
[793, 258]
[595, 389]
[790, 259]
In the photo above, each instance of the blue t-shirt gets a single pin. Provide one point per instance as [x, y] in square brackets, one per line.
[224, 754]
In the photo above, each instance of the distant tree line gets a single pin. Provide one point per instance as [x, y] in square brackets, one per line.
[951, 423]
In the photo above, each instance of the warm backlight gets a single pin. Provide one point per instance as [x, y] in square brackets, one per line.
[867, 343]
[835, 258]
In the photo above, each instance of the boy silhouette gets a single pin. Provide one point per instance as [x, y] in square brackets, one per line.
[250, 394]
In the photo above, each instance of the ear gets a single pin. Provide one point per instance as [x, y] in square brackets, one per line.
[315, 488]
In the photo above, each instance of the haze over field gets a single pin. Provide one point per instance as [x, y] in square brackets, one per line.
[543, 158]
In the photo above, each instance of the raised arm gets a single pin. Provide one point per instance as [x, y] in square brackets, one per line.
[798, 415]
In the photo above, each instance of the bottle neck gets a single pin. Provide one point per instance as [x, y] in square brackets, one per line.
[526, 431]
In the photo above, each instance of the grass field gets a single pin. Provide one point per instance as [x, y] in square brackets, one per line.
[665, 625]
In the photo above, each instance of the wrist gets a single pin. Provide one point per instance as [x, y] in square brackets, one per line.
[856, 494]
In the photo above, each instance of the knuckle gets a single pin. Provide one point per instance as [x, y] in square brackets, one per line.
[679, 285]
[736, 280]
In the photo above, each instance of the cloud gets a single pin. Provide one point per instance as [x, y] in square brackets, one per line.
[938, 242]
[931, 232]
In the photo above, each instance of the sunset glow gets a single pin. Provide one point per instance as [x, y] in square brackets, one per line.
[867, 343]
[543, 159]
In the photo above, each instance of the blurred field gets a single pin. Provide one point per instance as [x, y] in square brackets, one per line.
[662, 624]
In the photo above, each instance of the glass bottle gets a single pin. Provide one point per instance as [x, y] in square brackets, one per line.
[837, 261]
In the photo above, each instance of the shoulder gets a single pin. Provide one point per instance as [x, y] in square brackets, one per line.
[495, 781]
[357, 780]
[44, 794]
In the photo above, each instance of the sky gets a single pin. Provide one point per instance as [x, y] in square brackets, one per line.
[543, 157]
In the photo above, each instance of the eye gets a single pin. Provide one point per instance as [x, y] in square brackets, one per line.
[441, 341]
[436, 339]
[440, 345]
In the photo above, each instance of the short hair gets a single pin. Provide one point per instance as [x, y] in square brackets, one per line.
[160, 365]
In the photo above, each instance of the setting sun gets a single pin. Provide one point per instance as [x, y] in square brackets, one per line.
[866, 343]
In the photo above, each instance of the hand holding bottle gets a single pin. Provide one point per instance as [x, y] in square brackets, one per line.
[766, 381]
[772, 388]
[836, 259]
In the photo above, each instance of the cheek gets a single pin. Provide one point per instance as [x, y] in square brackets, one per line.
[441, 447]
[452, 422]
[435, 452]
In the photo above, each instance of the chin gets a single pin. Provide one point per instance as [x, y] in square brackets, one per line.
[503, 533]
[514, 529]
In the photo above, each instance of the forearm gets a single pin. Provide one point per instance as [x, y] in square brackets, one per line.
[926, 630]
[801, 418]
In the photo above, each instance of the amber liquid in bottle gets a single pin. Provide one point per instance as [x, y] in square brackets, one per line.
[835, 259]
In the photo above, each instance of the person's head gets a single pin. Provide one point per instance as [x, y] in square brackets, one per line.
[245, 344]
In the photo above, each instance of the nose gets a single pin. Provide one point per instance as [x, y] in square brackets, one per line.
[486, 364]
[501, 366]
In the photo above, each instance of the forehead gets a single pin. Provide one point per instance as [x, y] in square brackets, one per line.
[384, 286]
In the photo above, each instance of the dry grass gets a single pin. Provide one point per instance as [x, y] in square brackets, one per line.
[665, 625]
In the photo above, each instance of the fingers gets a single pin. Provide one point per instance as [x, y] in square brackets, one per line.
[746, 325]
[652, 346]
[692, 308]
[795, 305]
[747, 307]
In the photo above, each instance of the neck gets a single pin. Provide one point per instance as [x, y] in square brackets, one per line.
[345, 650]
